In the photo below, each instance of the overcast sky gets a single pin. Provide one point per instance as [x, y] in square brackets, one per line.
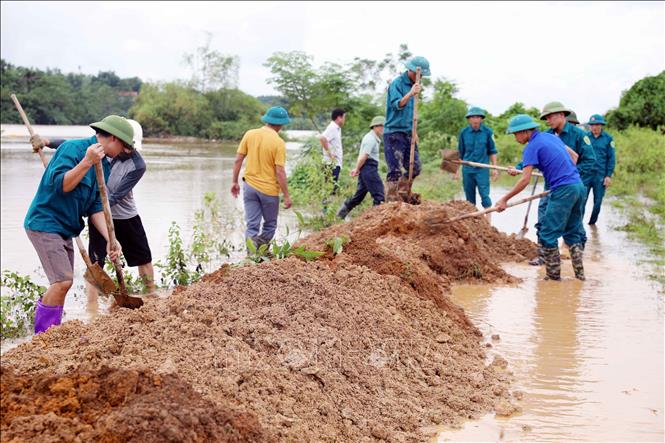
[581, 53]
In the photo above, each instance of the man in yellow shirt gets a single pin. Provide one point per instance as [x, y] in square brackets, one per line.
[264, 175]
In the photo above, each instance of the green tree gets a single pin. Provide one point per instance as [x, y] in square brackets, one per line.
[211, 69]
[642, 105]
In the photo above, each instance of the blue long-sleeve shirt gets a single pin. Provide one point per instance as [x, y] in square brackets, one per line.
[548, 153]
[56, 211]
[603, 147]
[476, 145]
[577, 140]
[399, 119]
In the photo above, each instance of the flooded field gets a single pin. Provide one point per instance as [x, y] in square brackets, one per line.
[587, 356]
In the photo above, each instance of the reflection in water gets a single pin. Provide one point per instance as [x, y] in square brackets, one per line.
[588, 356]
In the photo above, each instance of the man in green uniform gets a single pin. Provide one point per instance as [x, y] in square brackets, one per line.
[475, 143]
[555, 114]
[603, 146]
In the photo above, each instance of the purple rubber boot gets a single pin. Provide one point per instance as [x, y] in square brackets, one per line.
[46, 316]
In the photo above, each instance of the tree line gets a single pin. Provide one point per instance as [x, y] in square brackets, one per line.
[210, 105]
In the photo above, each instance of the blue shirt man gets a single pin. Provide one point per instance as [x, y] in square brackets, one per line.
[603, 147]
[563, 215]
[399, 125]
[475, 143]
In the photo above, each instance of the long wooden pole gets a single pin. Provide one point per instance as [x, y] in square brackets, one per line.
[414, 134]
[27, 124]
[486, 166]
[494, 209]
[109, 225]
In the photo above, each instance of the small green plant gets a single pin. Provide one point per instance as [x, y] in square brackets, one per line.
[336, 244]
[175, 269]
[206, 246]
[133, 283]
[17, 307]
[273, 250]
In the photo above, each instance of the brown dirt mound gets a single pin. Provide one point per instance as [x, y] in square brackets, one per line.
[114, 405]
[409, 242]
[363, 346]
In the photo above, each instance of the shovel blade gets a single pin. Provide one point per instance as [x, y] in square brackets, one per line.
[520, 235]
[96, 276]
[127, 301]
[448, 156]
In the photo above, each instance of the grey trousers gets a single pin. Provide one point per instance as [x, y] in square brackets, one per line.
[260, 206]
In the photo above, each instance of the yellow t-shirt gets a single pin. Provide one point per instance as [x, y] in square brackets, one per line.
[264, 150]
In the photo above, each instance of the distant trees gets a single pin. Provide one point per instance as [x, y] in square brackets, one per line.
[641, 105]
[53, 98]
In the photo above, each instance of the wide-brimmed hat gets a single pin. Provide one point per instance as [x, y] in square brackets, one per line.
[521, 122]
[597, 119]
[419, 62]
[475, 110]
[379, 120]
[276, 116]
[553, 107]
[116, 126]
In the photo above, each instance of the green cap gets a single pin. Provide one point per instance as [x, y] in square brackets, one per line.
[521, 122]
[117, 126]
[553, 107]
[597, 119]
[276, 116]
[475, 110]
[379, 120]
[419, 62]
[572, 118]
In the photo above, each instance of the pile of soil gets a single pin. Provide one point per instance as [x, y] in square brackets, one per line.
[362, 346]
[115, 405]
[415, 244]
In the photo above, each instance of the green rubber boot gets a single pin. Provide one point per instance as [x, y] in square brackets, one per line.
[552, 263]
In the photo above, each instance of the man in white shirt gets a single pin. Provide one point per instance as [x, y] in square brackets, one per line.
[331, 142]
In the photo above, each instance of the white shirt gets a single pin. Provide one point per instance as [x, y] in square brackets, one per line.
[333, 134]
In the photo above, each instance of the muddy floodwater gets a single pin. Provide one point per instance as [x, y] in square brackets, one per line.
[586, 356]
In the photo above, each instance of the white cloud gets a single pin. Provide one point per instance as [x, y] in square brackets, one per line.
[581, 53]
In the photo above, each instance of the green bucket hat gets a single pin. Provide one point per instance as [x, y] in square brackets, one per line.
[379, 120]
[419, 62]
[597, 119]
[475, 110]
[553, 107]
[276, 116]
[572, 118]
[117, 126]
[521, 122]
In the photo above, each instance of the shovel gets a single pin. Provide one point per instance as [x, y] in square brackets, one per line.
[520, 235]
[94, 273]
[436, 223]
[410, 197]
[450, 162]
[122, 298]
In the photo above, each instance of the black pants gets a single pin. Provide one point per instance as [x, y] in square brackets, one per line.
[131, 236]
[368, 181]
